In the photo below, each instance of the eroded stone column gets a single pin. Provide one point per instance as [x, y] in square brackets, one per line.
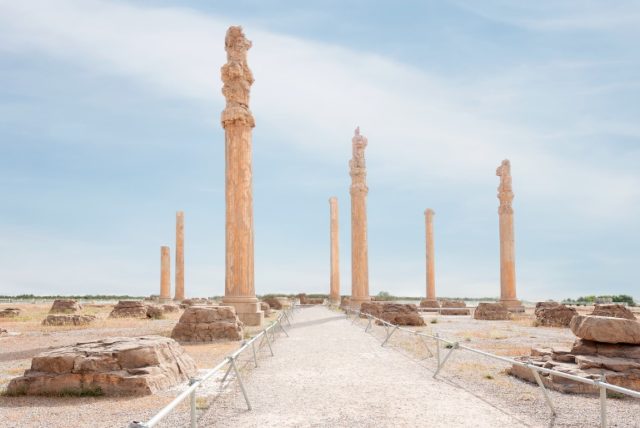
[238, 122]
[431, 264]
[507, 242]
[334, 292]
[359, 251]
[165, 274]
[179, 256]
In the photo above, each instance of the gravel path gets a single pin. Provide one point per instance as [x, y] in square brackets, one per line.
[329, 373]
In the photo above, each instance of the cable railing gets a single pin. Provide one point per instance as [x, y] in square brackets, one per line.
[452, 346]
[230, 361]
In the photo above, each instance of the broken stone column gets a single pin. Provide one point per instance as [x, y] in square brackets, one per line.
[359, 252]
[334, 293]
[431, 272]
[507, 243]
[165, 274]
[238, 122]
[179, 256]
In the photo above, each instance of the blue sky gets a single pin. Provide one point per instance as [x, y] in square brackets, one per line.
[109, 123]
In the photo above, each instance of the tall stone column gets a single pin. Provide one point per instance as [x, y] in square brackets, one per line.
[359, 252]
[179, 256]
[238, 122]
[431, 269]
[165, 275]
[507, 242]
[334, 292]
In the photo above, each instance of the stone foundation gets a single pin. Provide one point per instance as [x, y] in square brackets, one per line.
[113, 366]
[513, 306]
[273, 302]
[60, 320]
[10, 312]
[454, 307]
[65, 306]
[613, 310]
[429, 304]
[395, 313]
[129, 309]
[554, 314]
[492, 311]
[208, 324]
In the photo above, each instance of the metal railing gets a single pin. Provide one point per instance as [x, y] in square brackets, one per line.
[285, 316]
[535, 370]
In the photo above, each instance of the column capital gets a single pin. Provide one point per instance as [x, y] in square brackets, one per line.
[505, 189]
[237, 79]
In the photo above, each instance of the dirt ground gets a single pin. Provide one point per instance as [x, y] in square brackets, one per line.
[28, 338]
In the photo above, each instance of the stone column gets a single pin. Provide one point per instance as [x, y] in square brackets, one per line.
[359, 253]
[238, 122]
[431, 270]
[179, 256]
[165, 275]
[334, 293]
[507, 243]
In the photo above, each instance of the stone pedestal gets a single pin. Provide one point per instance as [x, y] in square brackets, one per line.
[238, 122]
[359, 246]
[430, 262]
[334, 293]
[165, 275]
[507, 243]
[179, 256]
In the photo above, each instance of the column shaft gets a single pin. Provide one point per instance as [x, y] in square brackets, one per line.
[165, 274]
[179, 256]
[334, 293]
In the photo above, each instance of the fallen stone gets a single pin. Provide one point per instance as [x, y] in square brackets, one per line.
[273, 302]
[207, 324]
[67, 319]
[65, 306]
[429, 304]
[394, 313]
[613, 310]
[113, 366]
[588, 347]
[264, 307]
[453, 307]
[10, 312]
[606, 329]
[129, 309]
[563, 355]
[614, 364]
[154, 312]
[491, 311]
[552, 314]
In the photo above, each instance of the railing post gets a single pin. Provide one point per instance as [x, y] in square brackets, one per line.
[536, 375]
[438, 349]
[244, 391]
[368, 324]
[603, 402]
[192, 399]
[266, 335]
[389, 335]
[255, 357]
[282, 328]
[446, 357]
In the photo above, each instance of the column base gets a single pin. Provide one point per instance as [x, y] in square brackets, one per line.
[355, 302]
[513, 305]
[334, 301]
[247, 309]
[164, 300]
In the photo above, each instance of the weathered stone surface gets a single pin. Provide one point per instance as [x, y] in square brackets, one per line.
[273, 302]
[170, 307]
[207, 324]
[613, 310]
[588, 347]
[429, 304]
[304, 300]
[606, 329]
[65, 306]
[491, 311]
[395, 313]
[115, 366]
[614, 364]
[10, 312]
[553, 314]
[264, 306]
[68, 319]
[155, 312]
[129, 309]
[453, 307]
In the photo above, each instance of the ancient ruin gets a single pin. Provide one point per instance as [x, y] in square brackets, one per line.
[129, 309]
[273, 302]
[613, 310]
[113, 366]
[10, 312]
[430, 301]
[65, 306]
[264, 306]
[304, 300]
[334, 288]
[507, 242]
[66, 319]
[237, 121]
[553, 314]
[208, 324]
[179, 291]
[453, 307]
[165, 275]
[606, 346]
[359, 252]
[394, 313]
[492, 311]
